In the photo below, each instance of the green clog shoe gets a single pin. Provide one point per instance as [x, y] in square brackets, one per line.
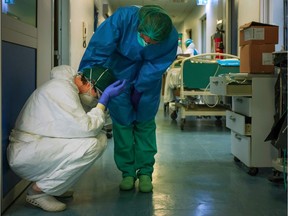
[127, 183]
[145, 184]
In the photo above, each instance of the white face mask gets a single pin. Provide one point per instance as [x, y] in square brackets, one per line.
[88, 100]
[141, 41]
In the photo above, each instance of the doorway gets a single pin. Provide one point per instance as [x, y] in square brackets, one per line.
[61, 33]
[203, 34]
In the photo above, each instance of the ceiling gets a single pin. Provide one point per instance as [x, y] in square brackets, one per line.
[177, 9]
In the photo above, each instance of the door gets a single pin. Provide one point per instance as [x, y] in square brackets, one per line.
[61, 33]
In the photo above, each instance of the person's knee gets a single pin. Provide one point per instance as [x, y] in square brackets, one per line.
[98, 146]
[102, 141]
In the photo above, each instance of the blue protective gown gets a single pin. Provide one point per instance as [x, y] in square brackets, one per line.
[114, 45]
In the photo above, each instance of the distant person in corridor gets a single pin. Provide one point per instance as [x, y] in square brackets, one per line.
[190, 48]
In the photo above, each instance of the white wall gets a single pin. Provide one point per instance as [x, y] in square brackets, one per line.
[265, 11]
[248, 11]
[80, 11]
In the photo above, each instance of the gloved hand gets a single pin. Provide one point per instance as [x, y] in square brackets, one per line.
[111, 91]
[135, 98]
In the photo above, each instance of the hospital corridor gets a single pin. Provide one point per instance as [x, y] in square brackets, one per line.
[195, 175]
[143, 107]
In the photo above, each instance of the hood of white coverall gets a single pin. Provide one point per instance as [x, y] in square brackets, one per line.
[65, 72]
[54, 109]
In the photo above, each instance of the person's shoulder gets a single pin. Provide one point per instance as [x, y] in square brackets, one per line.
[125, 13]
[128, 9]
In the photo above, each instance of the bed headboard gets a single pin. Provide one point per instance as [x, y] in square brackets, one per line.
[196, 74]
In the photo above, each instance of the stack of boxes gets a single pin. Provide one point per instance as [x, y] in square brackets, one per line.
[257, 43]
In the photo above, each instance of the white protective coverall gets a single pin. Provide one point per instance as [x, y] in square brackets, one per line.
[54, 140]
[191, 50]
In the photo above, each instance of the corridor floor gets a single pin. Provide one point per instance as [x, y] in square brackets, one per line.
[195, 175]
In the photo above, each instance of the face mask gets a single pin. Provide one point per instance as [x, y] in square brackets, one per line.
[88, 100]
[141, 41]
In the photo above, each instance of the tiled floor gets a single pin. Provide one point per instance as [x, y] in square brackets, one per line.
[195, 175]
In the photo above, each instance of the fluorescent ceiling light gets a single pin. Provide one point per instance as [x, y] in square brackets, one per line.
[202, 2]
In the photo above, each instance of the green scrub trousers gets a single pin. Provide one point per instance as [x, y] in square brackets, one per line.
[135, 148]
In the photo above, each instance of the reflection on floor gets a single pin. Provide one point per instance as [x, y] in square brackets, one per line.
[195, 175]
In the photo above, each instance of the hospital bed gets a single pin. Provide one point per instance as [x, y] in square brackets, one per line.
[191, 77]
[172, 83]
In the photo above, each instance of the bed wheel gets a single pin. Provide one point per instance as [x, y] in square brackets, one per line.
[218, 117]
[173, 115]
[253, 171]
[218, 121]
[166, 108]
[182, 124]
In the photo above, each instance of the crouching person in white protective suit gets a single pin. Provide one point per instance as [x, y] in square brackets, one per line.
[54, 140]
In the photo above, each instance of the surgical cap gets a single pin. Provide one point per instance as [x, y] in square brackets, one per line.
[188, 42]
[154, 22]
[99, 76]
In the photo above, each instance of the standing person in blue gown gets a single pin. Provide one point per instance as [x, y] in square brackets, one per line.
[138, 44]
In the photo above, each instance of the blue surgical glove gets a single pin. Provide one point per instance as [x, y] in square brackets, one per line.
[135, 98]
[111, 91]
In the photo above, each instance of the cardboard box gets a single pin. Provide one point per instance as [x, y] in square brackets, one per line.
[258, 33]
[257, 58]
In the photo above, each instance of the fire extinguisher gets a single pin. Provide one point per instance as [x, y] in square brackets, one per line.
[218, 43]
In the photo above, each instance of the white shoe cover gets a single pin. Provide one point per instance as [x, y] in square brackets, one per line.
[46, 202]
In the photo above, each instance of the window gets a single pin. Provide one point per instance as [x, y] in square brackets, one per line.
[22, 10]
